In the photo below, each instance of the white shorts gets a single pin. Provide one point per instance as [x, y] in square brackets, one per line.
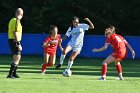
[75, 48]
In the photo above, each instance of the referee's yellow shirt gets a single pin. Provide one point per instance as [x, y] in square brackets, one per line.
[14, 25]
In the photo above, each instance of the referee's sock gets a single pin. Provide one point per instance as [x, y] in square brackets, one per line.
[12, 68]
[15, 72]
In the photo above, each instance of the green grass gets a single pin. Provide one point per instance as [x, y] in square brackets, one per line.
[86, 71]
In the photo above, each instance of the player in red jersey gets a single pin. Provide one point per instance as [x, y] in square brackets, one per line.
[118, 44]
[50, 45]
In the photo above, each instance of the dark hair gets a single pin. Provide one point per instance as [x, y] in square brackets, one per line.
[112, 27]
[51, 28]
[74, 18]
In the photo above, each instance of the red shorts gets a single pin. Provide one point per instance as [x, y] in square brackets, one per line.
[119, 55]
[50, 52]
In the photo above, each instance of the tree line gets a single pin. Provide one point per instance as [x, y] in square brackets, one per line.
[40, 14]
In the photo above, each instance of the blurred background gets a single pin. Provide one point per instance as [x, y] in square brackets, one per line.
[40, 14]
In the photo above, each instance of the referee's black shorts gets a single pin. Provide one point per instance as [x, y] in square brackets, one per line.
[13, 47]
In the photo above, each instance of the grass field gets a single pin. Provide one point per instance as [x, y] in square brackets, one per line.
[84, 79]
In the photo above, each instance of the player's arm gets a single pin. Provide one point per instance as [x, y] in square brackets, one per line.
[46, 43]
[17, 37]
[91, 26]
[101, 49]
[131, 49]
[66, 35]
[60, 46]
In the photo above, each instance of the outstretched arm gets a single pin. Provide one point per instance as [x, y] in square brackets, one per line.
[91, 26]
[131, 49]
[101, 49]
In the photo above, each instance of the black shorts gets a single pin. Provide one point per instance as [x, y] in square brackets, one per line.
[13, 47]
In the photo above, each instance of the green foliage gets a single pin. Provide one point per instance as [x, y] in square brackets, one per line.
[39, 14]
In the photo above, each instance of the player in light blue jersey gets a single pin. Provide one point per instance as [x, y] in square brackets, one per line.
[77, 31]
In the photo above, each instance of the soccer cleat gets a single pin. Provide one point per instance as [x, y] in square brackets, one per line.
[58, 66]
[120, 78]
[10, 76]
[16, 76]
[43, 73]
[101, 78]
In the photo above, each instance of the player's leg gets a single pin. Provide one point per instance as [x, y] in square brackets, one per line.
[72, 57]
[119, 69]
[44, 65]
[108, 60]
[52, 60]
[62, 57]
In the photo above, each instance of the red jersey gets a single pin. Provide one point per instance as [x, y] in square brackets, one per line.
[53, 44]
[117, 42]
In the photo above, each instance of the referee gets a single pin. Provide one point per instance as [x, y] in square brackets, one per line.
[14, 38]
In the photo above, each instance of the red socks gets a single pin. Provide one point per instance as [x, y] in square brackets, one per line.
[119, 68]
[104, 70]
[46, 65]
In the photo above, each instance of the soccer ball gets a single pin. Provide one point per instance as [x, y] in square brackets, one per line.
[67, 73]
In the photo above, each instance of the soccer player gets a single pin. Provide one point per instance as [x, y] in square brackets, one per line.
[77, 31]
[118, 44]
[50, 45]
[14, 36]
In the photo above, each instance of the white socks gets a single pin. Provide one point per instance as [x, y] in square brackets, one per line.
[62, 58]
[69, 65]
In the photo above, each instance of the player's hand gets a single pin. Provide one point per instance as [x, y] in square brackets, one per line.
[95, 50]
[19, 47]
[45, 45]
[133, 54]
[86, 19]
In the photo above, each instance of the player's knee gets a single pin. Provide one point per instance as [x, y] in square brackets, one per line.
[104, 63]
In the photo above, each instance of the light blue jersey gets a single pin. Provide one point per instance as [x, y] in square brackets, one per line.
[77, 33]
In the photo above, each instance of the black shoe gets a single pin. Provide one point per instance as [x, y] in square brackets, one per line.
[16, 76]
[10, 76]
[58, 66]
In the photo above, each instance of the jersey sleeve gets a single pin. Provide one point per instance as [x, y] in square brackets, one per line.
[108, 40]
[125, 41]
[59, 37]
[68, 33]
[47, 40]
[85, 26]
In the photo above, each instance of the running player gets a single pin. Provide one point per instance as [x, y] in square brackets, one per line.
[50, 46]
[77, 31]
[118, 44]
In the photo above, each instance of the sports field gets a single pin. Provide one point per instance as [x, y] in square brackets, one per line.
[84, 79]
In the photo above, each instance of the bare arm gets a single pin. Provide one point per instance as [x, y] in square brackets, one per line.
[59, 43]
[101, 49]
[91, 26]
[131, 49]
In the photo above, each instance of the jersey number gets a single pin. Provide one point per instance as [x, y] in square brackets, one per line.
[118, 38]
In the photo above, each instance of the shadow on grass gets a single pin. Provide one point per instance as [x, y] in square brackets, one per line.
[81, 66]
